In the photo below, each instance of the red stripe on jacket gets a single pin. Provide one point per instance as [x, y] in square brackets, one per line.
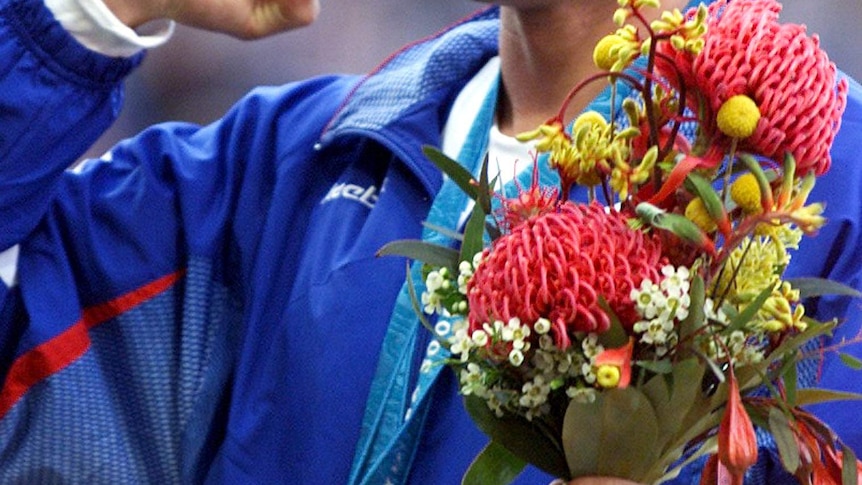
[54, 355]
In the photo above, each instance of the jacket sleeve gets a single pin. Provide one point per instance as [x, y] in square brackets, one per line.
[56, 98]
[179, 204]
[173, 192]
[126, 218]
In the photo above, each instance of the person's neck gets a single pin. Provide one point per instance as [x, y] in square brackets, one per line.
[545, 52]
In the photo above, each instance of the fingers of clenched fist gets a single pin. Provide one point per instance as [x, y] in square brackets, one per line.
[246, 19]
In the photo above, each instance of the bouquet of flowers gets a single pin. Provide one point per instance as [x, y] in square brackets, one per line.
[632, 334]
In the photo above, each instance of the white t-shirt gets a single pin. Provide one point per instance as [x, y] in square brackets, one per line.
[507, 156]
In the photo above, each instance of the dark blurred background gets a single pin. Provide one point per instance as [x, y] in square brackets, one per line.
[198, 75]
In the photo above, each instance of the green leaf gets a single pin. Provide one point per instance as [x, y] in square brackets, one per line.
[494, 465]
[444, 231]
[716, 370]
[613, 436]
[762, 181]
[710, 198]
[672, 397]
[692, 412]
[814, 395]
[657, 391]
[788, 450]
[849, 472]
[615, 336]
[696, 317]
[686, 391]
[656, 366]
[454, 170]
[428, 253]
[417, 307]
[709, 446]
[740, 321]
[684, 228]
[473, 234]
[791, 381]
[811, 287]
[483, 198]
[850, 361]
[793, 344]
[527, 440]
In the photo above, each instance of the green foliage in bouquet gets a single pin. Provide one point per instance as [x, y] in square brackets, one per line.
[631, 337]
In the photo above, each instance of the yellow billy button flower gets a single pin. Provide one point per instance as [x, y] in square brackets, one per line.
[696, 212]
[738, 116]
[737, 444]
[614, 366]
[608, 376]
[745, 191]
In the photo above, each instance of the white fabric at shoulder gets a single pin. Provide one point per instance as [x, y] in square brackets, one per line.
[93, 24]
[507, 155]
[466, 107]
[9, 266]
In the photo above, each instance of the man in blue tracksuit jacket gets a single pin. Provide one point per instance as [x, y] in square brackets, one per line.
[205, 304]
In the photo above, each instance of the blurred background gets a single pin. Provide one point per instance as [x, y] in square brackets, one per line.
[198, 75]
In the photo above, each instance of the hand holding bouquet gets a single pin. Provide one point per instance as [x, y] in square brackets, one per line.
[639, 331]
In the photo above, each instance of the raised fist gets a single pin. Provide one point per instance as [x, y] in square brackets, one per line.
[245, 19]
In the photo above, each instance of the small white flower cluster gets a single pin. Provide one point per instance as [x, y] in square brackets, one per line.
[665, 304]
[446, 293]
[744, 349]
[712, 314]
[738, 347]
[661, 306]
[517, 387]
[507, 340]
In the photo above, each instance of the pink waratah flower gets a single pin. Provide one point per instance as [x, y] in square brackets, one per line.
[782, 69]
[556, 265]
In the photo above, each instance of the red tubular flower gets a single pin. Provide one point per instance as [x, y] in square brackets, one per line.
[737, 444]
[781, 68]
[556, 265]
[709, 474]
[619, 358]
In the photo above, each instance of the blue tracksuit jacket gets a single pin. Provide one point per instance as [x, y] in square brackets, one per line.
[204, 303]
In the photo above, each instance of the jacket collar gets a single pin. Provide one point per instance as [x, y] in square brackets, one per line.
[393, 102]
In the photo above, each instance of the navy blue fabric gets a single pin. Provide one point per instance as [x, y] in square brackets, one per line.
[254, 368]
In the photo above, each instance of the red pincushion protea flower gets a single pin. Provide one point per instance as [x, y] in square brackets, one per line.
[783, 70]
[556, 265]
